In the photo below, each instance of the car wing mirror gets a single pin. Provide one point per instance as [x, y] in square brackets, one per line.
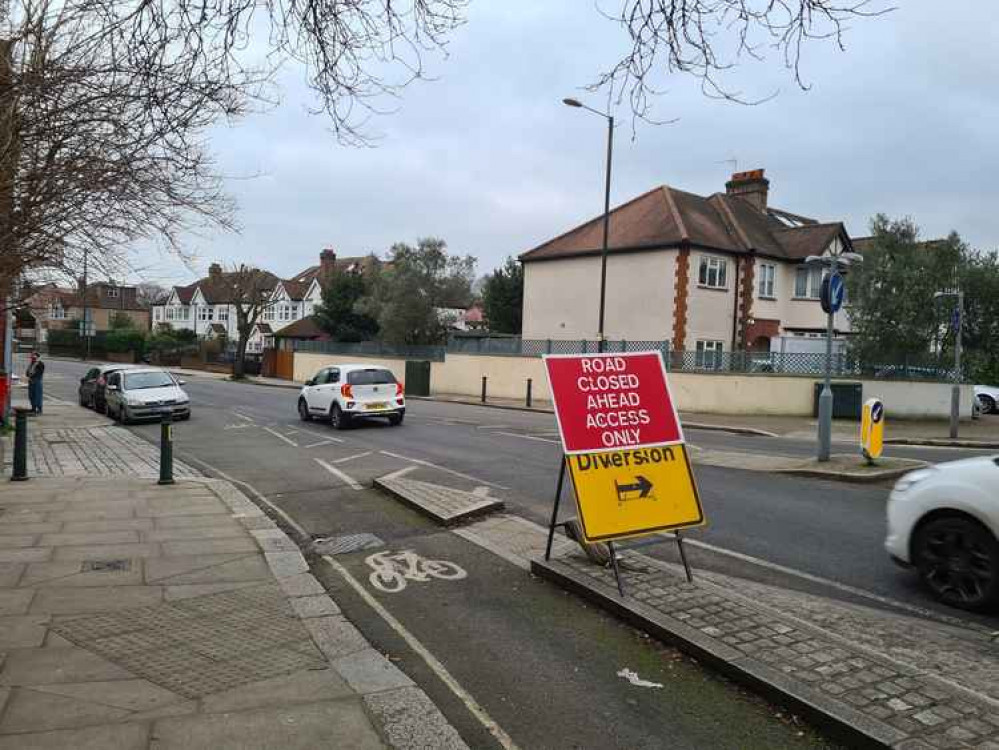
[310, 381]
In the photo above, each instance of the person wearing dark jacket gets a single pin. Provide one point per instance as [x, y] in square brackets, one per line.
[35, 373]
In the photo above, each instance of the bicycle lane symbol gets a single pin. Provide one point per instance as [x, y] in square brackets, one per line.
[391, 570]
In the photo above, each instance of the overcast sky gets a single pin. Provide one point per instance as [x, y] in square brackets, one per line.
[904, 122]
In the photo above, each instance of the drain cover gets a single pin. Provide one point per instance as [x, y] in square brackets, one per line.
[341, 545]
[117, 566]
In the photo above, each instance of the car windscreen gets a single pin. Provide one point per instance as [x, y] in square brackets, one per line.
[370, 377]
[135, 381]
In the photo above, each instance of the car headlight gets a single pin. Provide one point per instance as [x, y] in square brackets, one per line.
[913, 478]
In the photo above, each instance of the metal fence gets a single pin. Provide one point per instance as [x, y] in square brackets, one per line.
[843, 364]
[372, 349]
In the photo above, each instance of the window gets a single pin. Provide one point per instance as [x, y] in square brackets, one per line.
[57, 312]
[807, 282]
[709, 355]
[295, 311]
[284, 312]
[269, 312]
[205, 314]
[222, 314]
[712, 273]
[184, 313]
[768, 274]
[157, 313]
[137, 381]
[112, 292]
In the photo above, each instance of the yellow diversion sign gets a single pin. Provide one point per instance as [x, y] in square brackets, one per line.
[629, 493]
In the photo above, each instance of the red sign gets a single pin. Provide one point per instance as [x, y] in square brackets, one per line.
[609, 402]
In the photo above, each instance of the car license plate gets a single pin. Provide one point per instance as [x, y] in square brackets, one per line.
[375, 405]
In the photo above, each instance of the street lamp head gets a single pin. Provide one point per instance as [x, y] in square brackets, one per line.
[572, 102]
[815, 260]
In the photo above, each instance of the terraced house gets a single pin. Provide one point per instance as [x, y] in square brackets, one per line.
[710, 274]
[204, 306]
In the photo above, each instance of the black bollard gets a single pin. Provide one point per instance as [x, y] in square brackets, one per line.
[529, 393]
[20, 472]
[166, 448]
[483, 389]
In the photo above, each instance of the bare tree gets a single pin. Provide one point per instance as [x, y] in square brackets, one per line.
[706, 38]
[149, 293]
[249, 291]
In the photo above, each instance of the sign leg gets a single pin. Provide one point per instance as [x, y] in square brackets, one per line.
[683, 556]
[558, 498]
[617, 571]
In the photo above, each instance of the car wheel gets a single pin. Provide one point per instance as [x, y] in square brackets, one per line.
[83, 400]
[958, 560]
[988, 404]
[338, 419]
[395, 420]
[303, 410]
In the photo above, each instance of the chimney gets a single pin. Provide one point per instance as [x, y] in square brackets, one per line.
[327, 262]
[751, 186]
[214, 271]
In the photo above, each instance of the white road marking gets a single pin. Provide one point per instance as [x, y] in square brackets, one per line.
[529, 437]
[327, 441]
[278, 435]
[442, 468]
[242, 416]
[347, 479]
[431, 661]
[239, 426]
[391, 570]
[493, 426]
[253, 490]
[399, 473]
[323, 436]
[345, 459]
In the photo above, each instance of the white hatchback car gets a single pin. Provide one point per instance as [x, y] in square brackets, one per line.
[343, 393]
[944, 521]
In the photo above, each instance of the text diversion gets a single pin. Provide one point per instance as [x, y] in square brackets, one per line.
[613, 405]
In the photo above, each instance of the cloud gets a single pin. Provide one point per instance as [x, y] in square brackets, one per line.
[485, 156]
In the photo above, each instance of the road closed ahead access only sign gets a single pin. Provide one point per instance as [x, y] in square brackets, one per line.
[608, 401]
[624, 444]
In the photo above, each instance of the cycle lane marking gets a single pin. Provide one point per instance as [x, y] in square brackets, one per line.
[391, 570]
[424, 653]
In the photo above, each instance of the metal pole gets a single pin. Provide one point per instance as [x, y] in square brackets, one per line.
[166, 449]
[483, 389]
[20, 472]
[826, 397]
[86, 307]
[955, 392]
[617, 570]
[558, 499]
[529, 383]
[603, 251]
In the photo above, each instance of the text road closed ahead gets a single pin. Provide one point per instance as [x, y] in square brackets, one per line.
[612, 401]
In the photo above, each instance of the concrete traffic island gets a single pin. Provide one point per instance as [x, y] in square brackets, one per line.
[913, 697]
[848, 467]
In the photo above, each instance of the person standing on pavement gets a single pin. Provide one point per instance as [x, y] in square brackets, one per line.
[36, 370]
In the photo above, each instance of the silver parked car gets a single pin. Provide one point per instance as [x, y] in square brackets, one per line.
[145, 394]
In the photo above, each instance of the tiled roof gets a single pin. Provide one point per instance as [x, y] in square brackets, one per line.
[265, 328]
[306, 328]
[217, 289]
[666, 217]
[340, 264]
[296, 289]
[98, 299]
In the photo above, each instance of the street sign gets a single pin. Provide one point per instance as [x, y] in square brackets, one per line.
[629, 493]
[832, 293]
[872, 429]
[612, 401]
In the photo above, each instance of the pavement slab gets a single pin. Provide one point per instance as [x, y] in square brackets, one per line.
[445, 505]
[108, 737]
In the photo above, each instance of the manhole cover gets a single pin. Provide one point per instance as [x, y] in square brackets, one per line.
[341, 545]
[118, 566]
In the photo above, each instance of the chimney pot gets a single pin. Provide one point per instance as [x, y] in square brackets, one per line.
[752, 186]
[214, 270]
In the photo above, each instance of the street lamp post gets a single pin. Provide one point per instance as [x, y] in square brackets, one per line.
[955, 390]
[601, 342]
[835, 266]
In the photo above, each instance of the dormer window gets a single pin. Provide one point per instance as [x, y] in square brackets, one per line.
[112, 292]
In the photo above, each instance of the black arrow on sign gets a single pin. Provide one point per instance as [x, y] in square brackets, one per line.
[642, 486]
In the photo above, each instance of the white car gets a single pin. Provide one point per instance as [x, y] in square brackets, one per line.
[944, 521]
[988, 398]
[343, 393]
[145, 393]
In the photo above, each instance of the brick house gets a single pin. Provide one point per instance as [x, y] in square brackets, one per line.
[718, 273]
[55, 308]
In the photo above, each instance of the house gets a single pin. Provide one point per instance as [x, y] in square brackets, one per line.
[56, 308]
[205, 308]
[711, 274]
[306, 329]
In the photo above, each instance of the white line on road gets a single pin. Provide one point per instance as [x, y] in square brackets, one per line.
[431, 661]
[277, 434]
[253, 490]
[324, 436]
[346, 478]
[345, 459]
[444, 469]
[242, 416]
[833, 584]
[399, 473]
[529, 437]
[494, 426]
[327, 441]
